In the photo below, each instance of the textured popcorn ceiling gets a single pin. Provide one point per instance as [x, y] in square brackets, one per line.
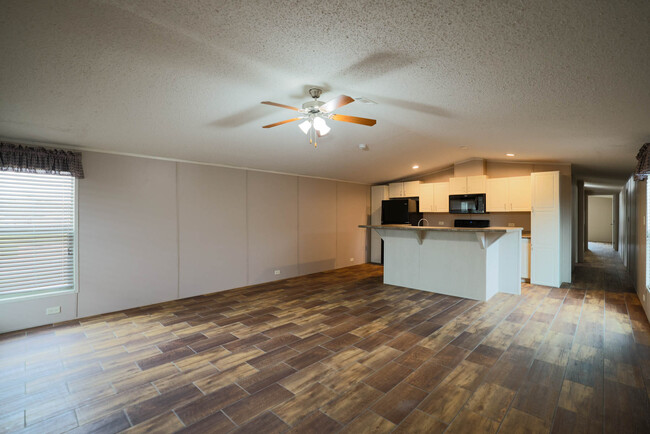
[557, 81]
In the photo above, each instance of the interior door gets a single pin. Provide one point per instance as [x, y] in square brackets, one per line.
[545, 229]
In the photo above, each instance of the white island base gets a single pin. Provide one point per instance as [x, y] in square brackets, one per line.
[472, 263]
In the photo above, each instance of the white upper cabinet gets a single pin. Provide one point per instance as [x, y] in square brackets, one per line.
[441, 197]
[508, 194]
[396, 189]
[426, 198]
[496, 196]
[412, 189]
[404, 189]
[476, 184]
[519, 193]
[434, 197]
[467, 184]
[458, 185]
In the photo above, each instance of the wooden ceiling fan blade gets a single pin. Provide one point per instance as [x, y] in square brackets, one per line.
[335, 103]
[280, 123]
[354, 120]
[279, 105]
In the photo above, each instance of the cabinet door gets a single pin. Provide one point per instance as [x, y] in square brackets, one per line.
[411, 188]
[496, 196]
[545, 229]
[441, 197]
[396, 189]
[476, 184]
[519, 193]
[458, 185]
[426, 198]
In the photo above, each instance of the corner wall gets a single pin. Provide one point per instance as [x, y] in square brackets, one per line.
[152, 231]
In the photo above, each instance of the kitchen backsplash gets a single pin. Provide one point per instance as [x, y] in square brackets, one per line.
[520, 219]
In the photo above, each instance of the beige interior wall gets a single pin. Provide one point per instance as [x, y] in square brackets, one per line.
[211, 228]
[128, 251]
[153, 230]
[471, 167]
[352, 210]
[503, 169]
[440, 176]
[272, 209]
[317, 224]
[600, 219]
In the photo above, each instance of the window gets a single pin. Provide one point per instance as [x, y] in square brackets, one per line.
[37, 234]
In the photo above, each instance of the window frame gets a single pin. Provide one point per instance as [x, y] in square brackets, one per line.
[13, 298]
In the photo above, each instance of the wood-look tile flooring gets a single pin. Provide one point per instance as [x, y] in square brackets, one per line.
[338, 352]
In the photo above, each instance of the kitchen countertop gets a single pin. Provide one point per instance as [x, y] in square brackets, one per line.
[443, 228]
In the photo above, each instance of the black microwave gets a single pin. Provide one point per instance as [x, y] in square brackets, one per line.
[467, 203]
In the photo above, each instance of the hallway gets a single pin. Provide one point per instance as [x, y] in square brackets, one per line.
[603, 269]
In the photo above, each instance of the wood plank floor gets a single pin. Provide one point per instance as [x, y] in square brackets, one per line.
[338, 352]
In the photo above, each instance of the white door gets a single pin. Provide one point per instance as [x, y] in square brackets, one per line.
[426, 198]
[545, 229]
[396, 189]
[377, 194]
[496, 196]
[519, 193]
[458, 185]
[476, 184]
[411, 188]
[441, 197]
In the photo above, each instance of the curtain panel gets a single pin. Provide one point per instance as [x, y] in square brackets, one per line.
[643, 163]
[20, 158]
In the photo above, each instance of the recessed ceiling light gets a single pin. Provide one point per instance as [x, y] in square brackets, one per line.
[415, 166]
[363, 146]
[510, 155]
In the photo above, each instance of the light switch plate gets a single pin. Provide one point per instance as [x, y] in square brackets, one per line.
[53, 310]
[351, 259]
[441, 223]
[276, 272]
[511, 225]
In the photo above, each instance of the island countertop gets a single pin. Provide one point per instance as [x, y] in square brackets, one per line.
[497, 229]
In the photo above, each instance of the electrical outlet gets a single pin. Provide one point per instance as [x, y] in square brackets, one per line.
[351, 259]
[511, 225]
[441, 223]
[53, 310]
[276, 272]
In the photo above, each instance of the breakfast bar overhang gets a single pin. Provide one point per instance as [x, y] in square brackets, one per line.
[472, 263]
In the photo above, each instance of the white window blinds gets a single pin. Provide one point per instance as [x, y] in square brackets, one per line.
[37, 233]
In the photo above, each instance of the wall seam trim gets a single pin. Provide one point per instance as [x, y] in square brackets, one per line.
[178, 236]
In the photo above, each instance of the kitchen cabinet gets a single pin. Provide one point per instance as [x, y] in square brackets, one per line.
[545, 229]
[404, 189]
[441, 197]
[525, 258]
[426, 197]
[467, 184]
[508, 194]
[434, 197]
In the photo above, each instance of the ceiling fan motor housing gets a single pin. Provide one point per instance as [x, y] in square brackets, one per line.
[312, 106]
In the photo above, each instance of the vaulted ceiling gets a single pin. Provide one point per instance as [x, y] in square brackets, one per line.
[553, 81]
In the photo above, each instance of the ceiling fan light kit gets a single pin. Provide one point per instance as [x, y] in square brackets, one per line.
[315, 112]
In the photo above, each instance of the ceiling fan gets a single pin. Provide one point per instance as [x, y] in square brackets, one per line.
[315, 112]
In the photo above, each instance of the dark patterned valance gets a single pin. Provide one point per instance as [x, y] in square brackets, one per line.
[20, 158]
[643, 163]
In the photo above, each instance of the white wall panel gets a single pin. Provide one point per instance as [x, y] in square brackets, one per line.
[128, 253]
[211, 228]
[272, 209]
[316, 225]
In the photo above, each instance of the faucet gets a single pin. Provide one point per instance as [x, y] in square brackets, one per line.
[423, 219]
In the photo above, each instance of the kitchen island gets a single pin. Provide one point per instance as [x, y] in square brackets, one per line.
[472, 263]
